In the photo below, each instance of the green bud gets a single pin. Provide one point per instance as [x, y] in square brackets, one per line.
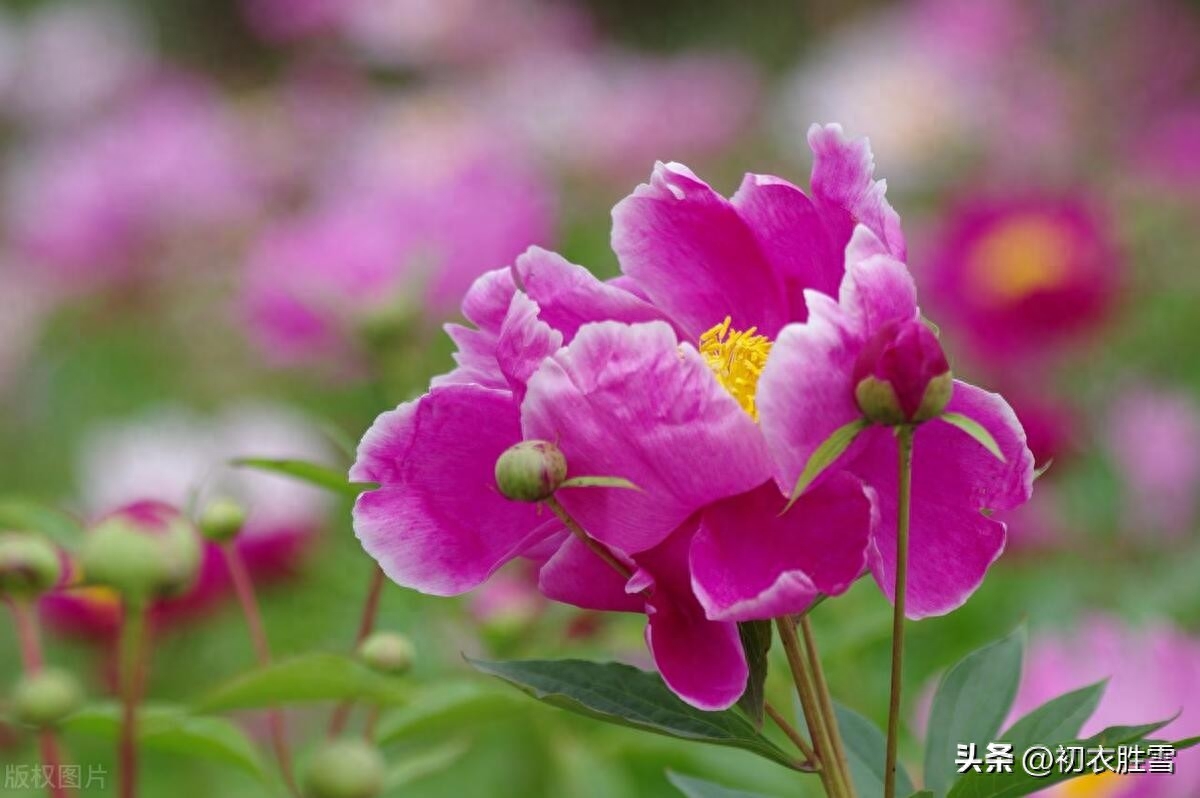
[141, 562]
[530, 471]
[222, 520]
[345, 769]
[878, 402]
[46, 698]
[29, 565]
[388, 652]
[936, 397]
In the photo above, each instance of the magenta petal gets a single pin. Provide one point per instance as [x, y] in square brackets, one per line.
[955, 479]
[569, 296]
[437, 523]
[806, 392]
[844, 188]
[694, 256]
[877, 288]
[576, 575]
[702, 661]
[486, 302]
[476, 359]
[791, 233]
[749, 562]
[524, 342]
[627, 401]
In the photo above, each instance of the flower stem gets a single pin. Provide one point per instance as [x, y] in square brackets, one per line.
[29, 641]
[831, 778]
[792, 734]
[366, 625]
[244, 588]
[904, 440]
[133, 674]
[596, 546]
[826, 704]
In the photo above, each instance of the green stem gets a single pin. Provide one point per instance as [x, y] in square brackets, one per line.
[133, 644]
[366, 625]
[904, 440]
[822, 746]
[792, 734]
[596, 546]
[826, 705]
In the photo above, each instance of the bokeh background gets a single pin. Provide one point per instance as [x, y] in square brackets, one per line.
[235, 228]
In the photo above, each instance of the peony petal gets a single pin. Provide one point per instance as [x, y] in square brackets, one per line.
[486, 302]
[570, 296]
[524, 342]
[877, 288]
[436, 523]
[791, 232]
[749, 562]
[576, 575]
[702, 661]
[805, 392]
[476, 359]
[627, 401]
[694, 256]
[844, 188]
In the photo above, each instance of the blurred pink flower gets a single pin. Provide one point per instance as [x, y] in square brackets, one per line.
[287, 20]
[1153, 674]
[1023, 274]
[86, 203]
[1154, 439]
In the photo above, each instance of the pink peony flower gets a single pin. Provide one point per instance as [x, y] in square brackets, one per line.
[1021, 275]
[1154, 439]
[661, 392]
[1152, 675]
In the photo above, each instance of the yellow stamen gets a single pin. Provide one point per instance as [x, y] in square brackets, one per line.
[737, 358]
[1096, 785]
[1020, 258]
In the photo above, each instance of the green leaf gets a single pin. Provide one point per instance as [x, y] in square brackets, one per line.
[1059, 718]
[922, 794]
[971, 702]
[866, 752]
[693, 787]
[599, 482]
[1042, 469]
[172, 729]
[444, 706]
[416, 766]
[976, 431]
[756, 642]
[307, 678]
[830, 450]
[312, 473]
[626, 696]
[17, 513]
[1018, 782]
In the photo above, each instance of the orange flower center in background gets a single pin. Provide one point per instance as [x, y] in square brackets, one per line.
[1096, 785]
[1019, 258]
[737, 357]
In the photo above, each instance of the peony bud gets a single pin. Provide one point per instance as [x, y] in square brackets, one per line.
[46, 698]
[345, 769]
[388, 652]
[145, 551]
[530, 471]
[222, 520]
[29, 565]
[902, 376]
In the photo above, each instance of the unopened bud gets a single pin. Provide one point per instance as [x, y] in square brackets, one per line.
[902, 376]
[222, 520]
[345, 769]
[46, 698]
[388, 652]
[145, 551]
[29, 565]
[530, 471]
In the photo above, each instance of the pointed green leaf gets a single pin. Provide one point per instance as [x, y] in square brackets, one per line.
[170, 728]
[1059, 718]
[976, 431]
[830, 450]
[971, 702]
[693, 787]
[866, 752]
[599, 482]
[756, 642]
[447, 705]
[1042, 469]
[416, 766]
[303, 679]
[626, 696]
[312, 473]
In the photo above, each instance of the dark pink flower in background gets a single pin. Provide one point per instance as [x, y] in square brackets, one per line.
[1022, 275]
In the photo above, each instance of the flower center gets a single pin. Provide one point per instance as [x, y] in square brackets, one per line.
[1095, 785]
[1020, 258]
[737, 358]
